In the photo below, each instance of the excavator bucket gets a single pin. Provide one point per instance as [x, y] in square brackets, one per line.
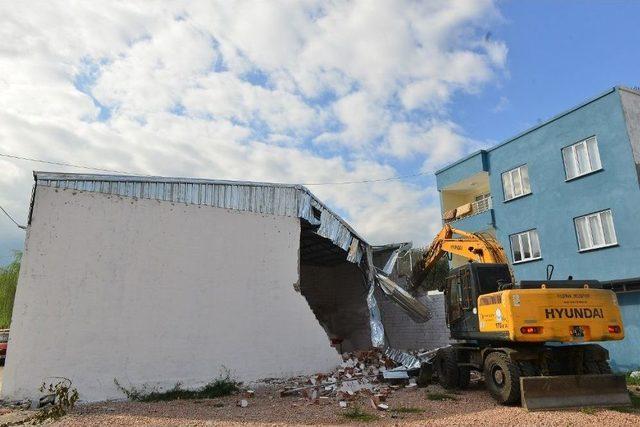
[573, 391]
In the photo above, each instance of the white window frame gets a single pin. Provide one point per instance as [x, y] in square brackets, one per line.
[520, 241]
[570, 154]
[514, 176]
[599, 219]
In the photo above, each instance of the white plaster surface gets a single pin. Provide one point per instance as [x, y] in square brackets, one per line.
[155, 293]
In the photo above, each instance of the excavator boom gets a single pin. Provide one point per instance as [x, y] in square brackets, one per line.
[475, 247]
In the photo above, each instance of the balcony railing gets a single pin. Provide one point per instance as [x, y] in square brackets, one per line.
[469, 209]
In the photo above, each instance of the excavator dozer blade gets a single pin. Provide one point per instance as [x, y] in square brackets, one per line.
[573, 391]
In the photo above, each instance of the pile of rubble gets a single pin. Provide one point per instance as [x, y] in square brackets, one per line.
[361, 374]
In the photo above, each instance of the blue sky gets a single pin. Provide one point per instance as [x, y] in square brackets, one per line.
[304, 93]
[560, 54]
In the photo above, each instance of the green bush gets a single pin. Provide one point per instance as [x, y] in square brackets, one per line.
[8, 284]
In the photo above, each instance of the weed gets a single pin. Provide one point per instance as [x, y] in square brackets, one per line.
[408, 410]
[357, 414]
[63, 399]
[8, 284]
[588, 410]
[224, 385]
[441, 396]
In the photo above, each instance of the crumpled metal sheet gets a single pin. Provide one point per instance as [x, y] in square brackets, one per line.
[411, 305]
[391, 262]
[258, 197]
[375, 319]
[405, 359]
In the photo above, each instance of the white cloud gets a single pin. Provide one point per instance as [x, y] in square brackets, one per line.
[287, 91]
[438, 143]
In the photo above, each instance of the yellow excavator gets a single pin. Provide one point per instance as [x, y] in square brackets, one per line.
[532, 340]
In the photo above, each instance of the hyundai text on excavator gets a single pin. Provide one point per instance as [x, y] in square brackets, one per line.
[532, 340]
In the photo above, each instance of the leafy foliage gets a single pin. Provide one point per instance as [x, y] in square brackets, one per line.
[632, 380]
[8, 284]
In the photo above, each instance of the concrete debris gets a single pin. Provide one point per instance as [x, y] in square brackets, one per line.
[360, 374]
[383, 407]
[243, 403]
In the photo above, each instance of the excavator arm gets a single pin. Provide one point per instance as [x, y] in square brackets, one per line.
[472, 246]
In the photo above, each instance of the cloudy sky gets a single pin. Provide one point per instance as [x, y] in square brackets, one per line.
[299, 91]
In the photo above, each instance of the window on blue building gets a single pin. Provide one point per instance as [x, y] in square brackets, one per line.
[581, 158]
[515, 183]
[525, 246]
[595, 230]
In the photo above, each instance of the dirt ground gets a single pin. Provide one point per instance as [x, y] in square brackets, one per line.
[406, 407]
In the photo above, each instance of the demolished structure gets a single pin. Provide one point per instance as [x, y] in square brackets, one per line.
[153, 281]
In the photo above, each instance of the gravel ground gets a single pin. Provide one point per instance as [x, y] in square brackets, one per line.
[471, 407]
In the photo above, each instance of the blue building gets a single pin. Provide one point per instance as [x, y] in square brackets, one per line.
[565, 192]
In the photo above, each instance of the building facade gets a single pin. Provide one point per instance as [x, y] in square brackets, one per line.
[566, 193]
[153, 281]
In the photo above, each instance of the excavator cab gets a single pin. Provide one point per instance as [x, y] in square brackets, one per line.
[463, 287]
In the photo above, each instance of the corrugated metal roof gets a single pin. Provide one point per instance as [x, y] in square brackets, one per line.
[258, 197]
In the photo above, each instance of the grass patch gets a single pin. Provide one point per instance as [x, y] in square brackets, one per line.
[408, 410]
[357, 414]
[222, 386]
[8, 284]
[588, 410]
[441, 396]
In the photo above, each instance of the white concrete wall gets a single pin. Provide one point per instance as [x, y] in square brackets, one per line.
[155, 293]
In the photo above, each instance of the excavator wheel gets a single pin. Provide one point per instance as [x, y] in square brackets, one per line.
[464, 372]
[464, 377]
[447, 368]
[594, 363]
[604, 367]
[502, 378]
